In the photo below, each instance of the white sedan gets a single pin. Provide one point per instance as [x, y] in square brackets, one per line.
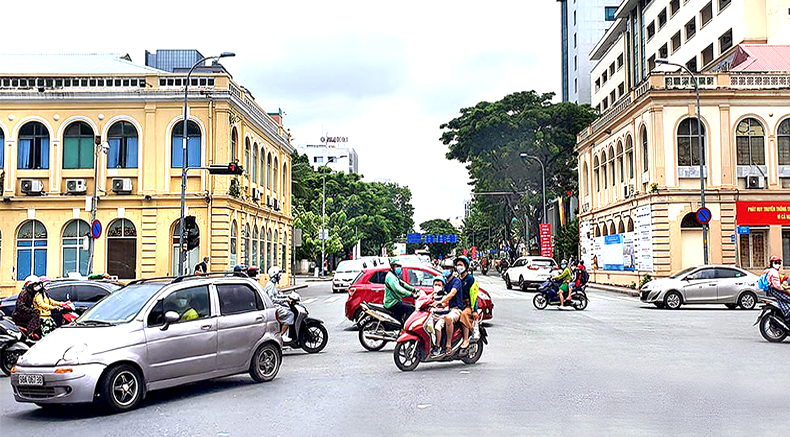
[529, 272]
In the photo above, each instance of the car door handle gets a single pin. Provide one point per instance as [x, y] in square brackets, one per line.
[205, 327]
[259, 319]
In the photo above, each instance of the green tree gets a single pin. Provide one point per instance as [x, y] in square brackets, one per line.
[566, 242]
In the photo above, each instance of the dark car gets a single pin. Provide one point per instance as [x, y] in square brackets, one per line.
[82, 293]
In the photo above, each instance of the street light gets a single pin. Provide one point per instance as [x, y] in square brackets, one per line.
[543, 171]
[181, 251]
[701, 152]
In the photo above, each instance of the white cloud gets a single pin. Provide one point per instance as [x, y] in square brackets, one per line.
[384, 74]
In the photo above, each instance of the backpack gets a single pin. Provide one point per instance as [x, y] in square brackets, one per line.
[763, 283]
[583, 277]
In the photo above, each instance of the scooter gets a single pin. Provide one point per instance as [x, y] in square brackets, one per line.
[307, 332]
[379, 326]
[773, 325]
[414, 345]
[13, 344]
[548, 294]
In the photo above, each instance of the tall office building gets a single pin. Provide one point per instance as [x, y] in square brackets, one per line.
[583, 24]
[339, 159]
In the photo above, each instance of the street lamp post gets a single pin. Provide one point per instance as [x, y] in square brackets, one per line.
[543, 172]
[701, 151]
[181, 251]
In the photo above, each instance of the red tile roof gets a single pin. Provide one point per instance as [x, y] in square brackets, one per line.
[761, 58]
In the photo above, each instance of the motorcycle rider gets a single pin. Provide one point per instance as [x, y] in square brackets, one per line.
[454, 300]
[581, 276]
[44, 305]
[284, 314]
[776, 289]
[25, 314]
[469, 291]
[566, 277]
[395, 290]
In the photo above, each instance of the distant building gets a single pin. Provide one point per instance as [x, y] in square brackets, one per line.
[339, 159]
[583, 23]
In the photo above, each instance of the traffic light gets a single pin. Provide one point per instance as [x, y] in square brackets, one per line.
[233, 169]
[192, 232]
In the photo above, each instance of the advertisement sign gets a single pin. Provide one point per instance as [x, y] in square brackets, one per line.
[763, 213]
[474, 252]
[545, 240]
[586, 242]
[643, 238]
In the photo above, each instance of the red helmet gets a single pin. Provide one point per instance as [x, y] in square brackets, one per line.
[775, 259]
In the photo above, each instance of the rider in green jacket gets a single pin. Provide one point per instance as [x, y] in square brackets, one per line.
[395, 290]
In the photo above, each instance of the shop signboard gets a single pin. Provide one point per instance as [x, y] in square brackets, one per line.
[545, 240]
[643, 238]
[763, 213]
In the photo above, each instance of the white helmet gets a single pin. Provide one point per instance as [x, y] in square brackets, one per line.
[32, 279]
[275, 271]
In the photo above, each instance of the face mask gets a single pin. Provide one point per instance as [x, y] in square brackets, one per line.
[447, 273]
[776, 265]
[437, 288]
[564, 265]
[460, 269]
[398, 270]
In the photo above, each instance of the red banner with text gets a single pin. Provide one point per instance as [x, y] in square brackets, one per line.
[545, 240]
[763, 213]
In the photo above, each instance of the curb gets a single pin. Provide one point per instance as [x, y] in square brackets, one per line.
[622, 290]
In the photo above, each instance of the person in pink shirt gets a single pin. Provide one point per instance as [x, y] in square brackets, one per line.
[776, 289]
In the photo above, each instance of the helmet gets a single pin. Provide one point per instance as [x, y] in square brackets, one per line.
[440, 279]
[275, 271]
[395, 262]
[32, 279]
[564, 261]
[463, 259]
[775, 259]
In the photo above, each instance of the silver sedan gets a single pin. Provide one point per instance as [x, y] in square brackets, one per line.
[710, 284]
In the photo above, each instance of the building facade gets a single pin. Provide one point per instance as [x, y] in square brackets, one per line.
[339, 159]
[51, 109]
[582, 23]
[639, 173]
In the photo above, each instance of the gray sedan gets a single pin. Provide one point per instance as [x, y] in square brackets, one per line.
[710, 284]
[151, 335]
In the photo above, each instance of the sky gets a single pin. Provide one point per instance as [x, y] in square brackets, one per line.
[383, 74]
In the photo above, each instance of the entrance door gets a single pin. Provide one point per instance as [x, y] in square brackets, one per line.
[691, 248]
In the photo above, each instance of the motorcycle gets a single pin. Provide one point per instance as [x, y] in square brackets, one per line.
[414, 345]
[307, 333]
[548, 294]
[773, 325]
[379, 326]
[13, 344]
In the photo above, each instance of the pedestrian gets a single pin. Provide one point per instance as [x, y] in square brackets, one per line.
[202, 267]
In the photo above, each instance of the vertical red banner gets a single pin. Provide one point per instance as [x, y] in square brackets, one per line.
[546, 248]
[474, 252]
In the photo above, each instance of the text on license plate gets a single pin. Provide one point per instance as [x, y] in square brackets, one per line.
[31, 379]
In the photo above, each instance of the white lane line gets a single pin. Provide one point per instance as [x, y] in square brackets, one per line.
[332, 299]
[309, 301]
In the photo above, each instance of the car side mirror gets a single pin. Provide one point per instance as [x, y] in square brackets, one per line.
[170, 318]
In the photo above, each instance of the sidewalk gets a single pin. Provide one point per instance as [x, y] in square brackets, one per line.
[311, 278]
[622, 290]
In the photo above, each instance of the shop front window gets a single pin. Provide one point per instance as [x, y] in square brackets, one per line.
[752, 250]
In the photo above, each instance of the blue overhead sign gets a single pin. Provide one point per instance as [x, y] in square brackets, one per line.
[743, 230]
[413, 238]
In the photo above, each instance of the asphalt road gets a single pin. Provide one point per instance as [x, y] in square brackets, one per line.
[617, 368]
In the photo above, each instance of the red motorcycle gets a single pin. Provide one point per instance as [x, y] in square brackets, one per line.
[414, 345]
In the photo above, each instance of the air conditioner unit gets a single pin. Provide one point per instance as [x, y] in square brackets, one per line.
[122, 185]
[76, 186]
[276, 205]
[32, 187]
[256, 195]
[753, 182]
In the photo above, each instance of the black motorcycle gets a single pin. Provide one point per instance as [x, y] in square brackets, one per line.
[13, 344]
[379, 326]
[548, 294]
[773, 325]
[307, 332]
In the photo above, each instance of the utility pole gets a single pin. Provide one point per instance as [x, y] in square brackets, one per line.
[323, 226]
[98, 148]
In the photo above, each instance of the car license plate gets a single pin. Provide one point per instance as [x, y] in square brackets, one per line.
[31, 379]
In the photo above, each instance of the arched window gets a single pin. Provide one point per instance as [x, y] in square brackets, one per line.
[284, 265]
[31, 250]
[262, 251]
[629, 227]
[233, 244]
[75, 253]
[750, 142]
[254, 246]
[122, 249]
[604, 230]
[263, 169]
[247, 157]
[690, 221]
[276, 246]
[603, 170]
[193, 145]
[247, 244]
[645, 155]
[276, 176]
[192, 256]
[597, 174]
[285, 187]
[585, 177]
[620, 162]
[122, 138]
[269, 248]
[611, 166]
[688, 146]
[78, 144]
[234, 145]
[611, 228]
[629, 157]
[33, 147]
[269, 171]
[783, 142]
[621, 227]
[254, 172]
[2, 151]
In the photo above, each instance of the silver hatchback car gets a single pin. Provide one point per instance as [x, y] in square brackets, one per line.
[154, 334]
[720, 284]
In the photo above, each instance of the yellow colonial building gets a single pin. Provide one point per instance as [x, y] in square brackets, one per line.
[51, 109]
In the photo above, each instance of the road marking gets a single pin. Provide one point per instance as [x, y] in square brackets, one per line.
[332, 299]
[311, 300]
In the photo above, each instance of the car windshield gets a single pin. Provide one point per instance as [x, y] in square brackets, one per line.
[121, 306]
[348, 267]
[546, 263]
[681, 273]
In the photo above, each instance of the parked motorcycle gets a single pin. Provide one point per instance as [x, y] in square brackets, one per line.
[13, 344]
[307, 332]
[773, 325]
[548, 294]
[379, 326]
[414, 345]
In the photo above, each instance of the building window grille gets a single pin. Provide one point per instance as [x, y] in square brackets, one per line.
[750, 142]
[753, 249]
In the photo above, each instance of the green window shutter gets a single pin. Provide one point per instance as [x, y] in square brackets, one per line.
[86, 153]
[71, 153]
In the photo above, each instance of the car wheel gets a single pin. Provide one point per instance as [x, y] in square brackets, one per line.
[8, 361]
[121, 388]
[265, 363]
[508, 284]
[368, 343]
[314, 338]
[731, 306]
[673, 300]
[747, 300]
